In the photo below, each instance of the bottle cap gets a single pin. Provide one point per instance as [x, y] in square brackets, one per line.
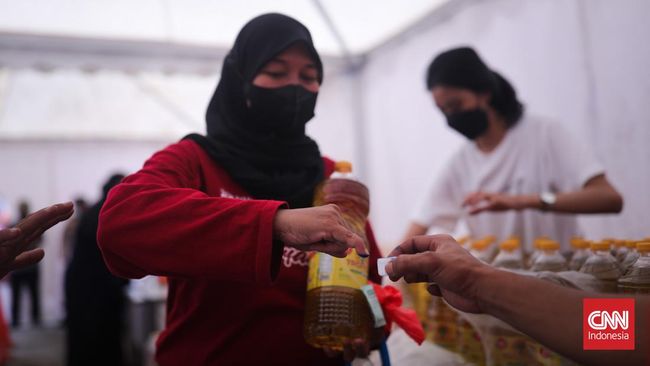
[579, 243]
[343, 166]
[630, 244]
[600, 245]
[643, 247]
[549, 245]
[509, 245]
[489, 239]
[480, 244]
[538, 241]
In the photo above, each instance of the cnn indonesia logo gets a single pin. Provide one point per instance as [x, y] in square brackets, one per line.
[608, 324]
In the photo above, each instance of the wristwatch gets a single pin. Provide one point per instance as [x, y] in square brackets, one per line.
[547, 199]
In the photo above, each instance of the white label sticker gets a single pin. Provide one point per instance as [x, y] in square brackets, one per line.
[375, 307]
[381, 264]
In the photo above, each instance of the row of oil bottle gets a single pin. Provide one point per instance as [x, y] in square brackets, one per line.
[617, 265]
[484, 340]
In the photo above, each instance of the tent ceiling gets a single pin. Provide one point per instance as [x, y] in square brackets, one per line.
[362, 24]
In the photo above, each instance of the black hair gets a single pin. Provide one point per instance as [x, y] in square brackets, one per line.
[462, 67]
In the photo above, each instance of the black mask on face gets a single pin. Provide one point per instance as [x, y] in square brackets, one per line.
[283, 111]
[471, 124]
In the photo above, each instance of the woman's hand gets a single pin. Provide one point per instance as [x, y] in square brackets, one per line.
[483, 201]
[358, 348]
[14, 241]
[438, 259]
[319, 228]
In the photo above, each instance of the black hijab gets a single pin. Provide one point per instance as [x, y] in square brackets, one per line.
[267, 166]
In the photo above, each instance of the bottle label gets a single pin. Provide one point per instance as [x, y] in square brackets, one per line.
[326, 270]
[375, 307]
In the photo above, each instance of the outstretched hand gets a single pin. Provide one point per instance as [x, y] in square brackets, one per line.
[439, 260]
[15, 241]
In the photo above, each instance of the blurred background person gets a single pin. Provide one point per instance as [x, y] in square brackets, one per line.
[70, 230]
[26, 278]
[94, 298]
[516, 175]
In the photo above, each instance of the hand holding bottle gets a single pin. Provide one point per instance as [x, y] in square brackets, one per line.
[320, 229]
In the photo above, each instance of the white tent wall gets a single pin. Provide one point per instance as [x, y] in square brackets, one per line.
[581, 63]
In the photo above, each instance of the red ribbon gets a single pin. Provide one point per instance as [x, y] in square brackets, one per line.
[391, 303]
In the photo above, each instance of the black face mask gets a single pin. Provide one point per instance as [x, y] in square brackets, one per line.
[283, 111]
[471, 124]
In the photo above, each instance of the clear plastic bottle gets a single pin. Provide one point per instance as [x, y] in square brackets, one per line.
[464, 241]
[602, 265]
[336, 309]
[550, 258]
[637, 278]
[612, 246]
[482, 249]
[536, 250]
[509, 255]
[580, 253]
[621, 250]
[631, 256]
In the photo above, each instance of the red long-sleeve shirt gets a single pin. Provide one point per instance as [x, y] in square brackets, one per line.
[183, 217]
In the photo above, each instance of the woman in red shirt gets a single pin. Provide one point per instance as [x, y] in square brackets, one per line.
[212, 212]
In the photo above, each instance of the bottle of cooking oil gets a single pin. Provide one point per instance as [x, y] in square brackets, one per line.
[621, 250]
[536, 250]
[464, 241]
[549, 258]
[602, 265]
[631, 256]
[509, 255]
[482, 249]
[580, 253]
[637, 278]
[336, 309]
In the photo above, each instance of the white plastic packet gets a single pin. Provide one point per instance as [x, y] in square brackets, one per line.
[381, 264]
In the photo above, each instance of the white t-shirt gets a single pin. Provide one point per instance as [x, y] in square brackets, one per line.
[533, 157]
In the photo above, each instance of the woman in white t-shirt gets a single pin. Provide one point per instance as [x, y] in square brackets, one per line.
[517, 175]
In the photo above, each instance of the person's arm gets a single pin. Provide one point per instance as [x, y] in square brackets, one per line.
[545, 311]
[597, 196]
[159, 222]
[15, 241]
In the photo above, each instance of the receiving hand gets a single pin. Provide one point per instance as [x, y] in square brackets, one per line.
[319, 228]
[483, 201]
[14, 241]
[351, 350]
[439, 260]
